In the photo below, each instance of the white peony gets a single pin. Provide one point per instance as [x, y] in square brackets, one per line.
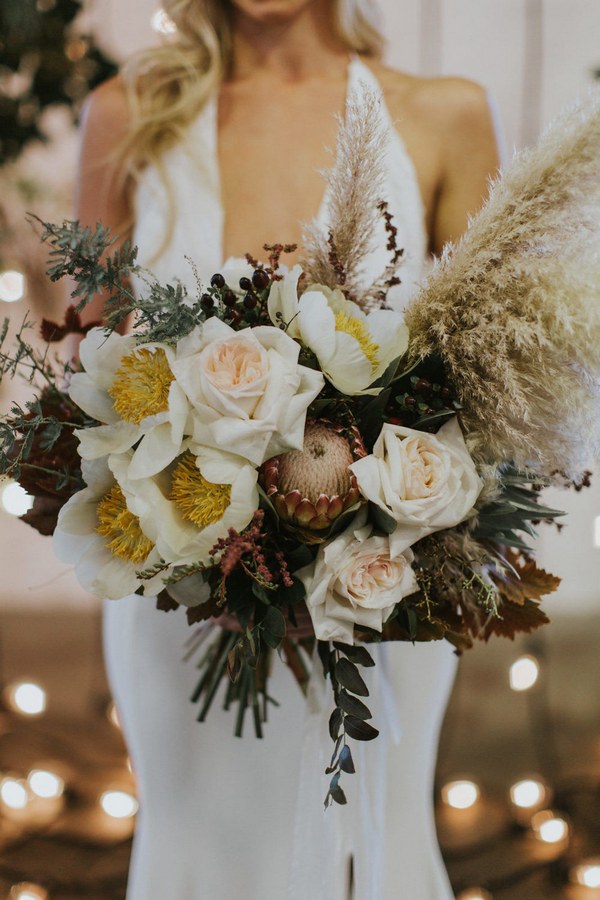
[98, 534]
[425, 482]
[248, 392]
[132, 390]
[356, 579]
[186, 508]
[353, 349]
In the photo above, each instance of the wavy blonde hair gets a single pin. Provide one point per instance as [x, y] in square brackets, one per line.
[169, 85]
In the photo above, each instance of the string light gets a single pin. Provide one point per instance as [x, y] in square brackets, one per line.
[460, 794]
[587, 873]
[45, 784]
[119, 804]
[12, 286]
[28, 891]
[527, 797]
[14, 793]
[524, 673]
[474, 894]
[26, 698]
[15, 499]
[549, 827]
[162, 23]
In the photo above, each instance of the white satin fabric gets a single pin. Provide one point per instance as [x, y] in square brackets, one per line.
[222, 817]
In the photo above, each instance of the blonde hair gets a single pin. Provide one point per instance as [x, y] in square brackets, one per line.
[169, 85]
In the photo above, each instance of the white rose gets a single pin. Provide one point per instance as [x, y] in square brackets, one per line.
[105, 563]
[425, 482]
[356, 579]
[131, 389]
[247, 391]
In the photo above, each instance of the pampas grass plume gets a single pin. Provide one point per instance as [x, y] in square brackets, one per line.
[514, 307]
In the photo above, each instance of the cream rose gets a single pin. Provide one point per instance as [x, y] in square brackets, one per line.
[356, 579]
[425, 482]
[248, 393]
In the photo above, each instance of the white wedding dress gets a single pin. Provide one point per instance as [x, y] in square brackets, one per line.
[222, 817]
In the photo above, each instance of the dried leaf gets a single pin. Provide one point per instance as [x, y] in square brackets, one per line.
[515, 619]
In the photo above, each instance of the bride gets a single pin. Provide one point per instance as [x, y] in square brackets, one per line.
[209, 147]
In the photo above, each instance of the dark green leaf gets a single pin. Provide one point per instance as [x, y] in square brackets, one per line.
[349, 677]
[273, 626]
[299, 557]
[359, 730]
[382, 519]
[353, 706]
[324, 651]
[356, 654]
[346, 761]
[335, 722]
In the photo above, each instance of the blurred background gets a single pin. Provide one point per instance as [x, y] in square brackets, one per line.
[518, 780]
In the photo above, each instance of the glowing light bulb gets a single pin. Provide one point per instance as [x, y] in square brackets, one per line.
[12, 286]
[524, 673]
[460, 794]
[474, 894]
[15, 499]
[162, 23]
[119, 804]
[14, 793]
[28, 891]
[27, 698]
[528, 794]
[45, 784]
[549, 827]
[586, 873]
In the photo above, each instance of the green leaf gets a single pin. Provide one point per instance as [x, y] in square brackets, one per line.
[356, 654]
[346, 761]
[273, 626]
[335, 722]
[349, 677]
[299, 557]
[353, 706]
[359, 730]
[382, 519]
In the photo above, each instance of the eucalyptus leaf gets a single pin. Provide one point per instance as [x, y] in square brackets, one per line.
[359, 730]
[356, 654]
[346, 761]
[273, 627]
[335, 723]
[349, 677]
[382, 520]
[352, 705]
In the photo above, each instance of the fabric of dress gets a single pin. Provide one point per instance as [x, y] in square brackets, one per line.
[222, 817]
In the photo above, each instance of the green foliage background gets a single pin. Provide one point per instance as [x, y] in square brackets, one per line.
[35, 42]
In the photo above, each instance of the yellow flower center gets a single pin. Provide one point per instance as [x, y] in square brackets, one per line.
[124, 537]
[198, 500]
[359, 331]
[141, 385]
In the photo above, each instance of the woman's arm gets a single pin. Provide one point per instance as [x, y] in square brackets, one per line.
[100, 195]
[469, 156]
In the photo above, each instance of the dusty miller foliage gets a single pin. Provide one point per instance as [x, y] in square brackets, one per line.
[166, 313]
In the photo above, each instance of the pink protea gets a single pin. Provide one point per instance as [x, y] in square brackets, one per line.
[310, 488]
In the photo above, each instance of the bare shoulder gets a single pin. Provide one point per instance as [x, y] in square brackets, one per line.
[442, 104]
[107, 107]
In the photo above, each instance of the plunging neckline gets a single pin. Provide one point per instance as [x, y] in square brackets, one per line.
[351, 78]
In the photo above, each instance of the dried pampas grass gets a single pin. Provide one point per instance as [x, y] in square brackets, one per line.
[355, 188]
[514, 307]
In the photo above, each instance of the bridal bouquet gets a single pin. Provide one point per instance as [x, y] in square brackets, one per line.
[286, 454]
